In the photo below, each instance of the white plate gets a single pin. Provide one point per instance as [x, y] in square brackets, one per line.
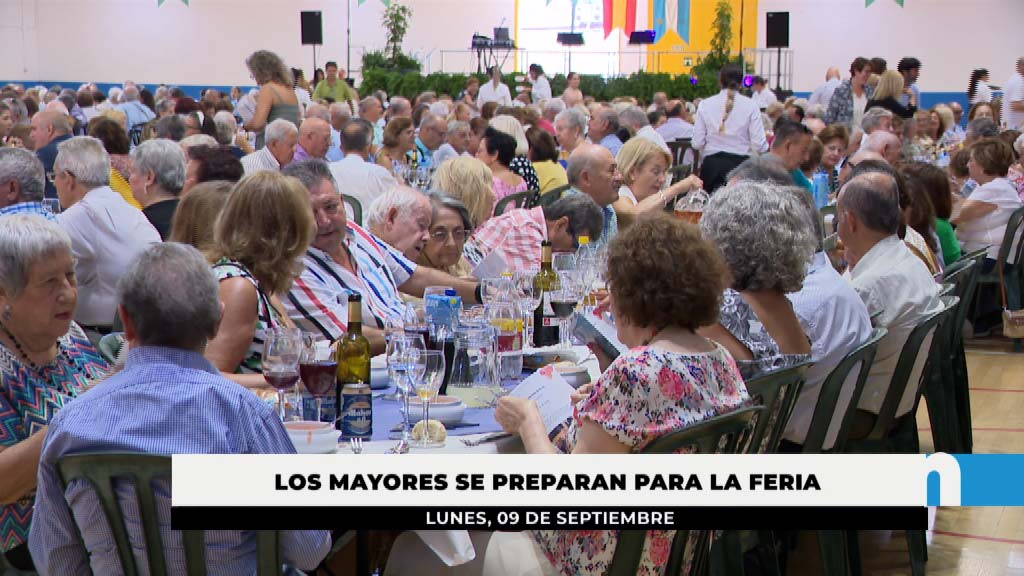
[309, 443]
[448, 412]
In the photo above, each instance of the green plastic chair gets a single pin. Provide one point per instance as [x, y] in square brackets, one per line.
[1015, 281]
[550, 197]
[110, 346]
[946, 289]
[777, 391]
[967, 285]
[519, 199]
[356, 206]
[100, 470]
[725, 434]
[825, 410]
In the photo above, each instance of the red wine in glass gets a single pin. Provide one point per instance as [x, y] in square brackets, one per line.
[283, 381]
[563, 308]
[421, 330]
[319, 377]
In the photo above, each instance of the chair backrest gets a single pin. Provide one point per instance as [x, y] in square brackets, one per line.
[946, 289]
[777, 391]
[1013, 227]
[679, 172]
[110, 346]
[553, 195]
[677, 149]
[135, 135]
[905, 365]
[100, 471]
[356, 206]
[963, 274]
[519, 200]
[826, 412]
[824, 211]
[724, 434]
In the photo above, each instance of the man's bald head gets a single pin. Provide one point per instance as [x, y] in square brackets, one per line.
[874, 199]
[592, 170]
[833, 72]
[47, 125]
[339, 114]
[853, 161]
[318, 111]
[315, 137]
[883, 143]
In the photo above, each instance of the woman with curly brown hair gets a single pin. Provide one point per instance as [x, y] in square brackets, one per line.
[260, 238]
[666, 282]
[276, 98]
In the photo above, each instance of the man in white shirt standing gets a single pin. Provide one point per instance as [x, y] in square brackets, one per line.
[1013, 99]
[494, 91]
[541, 89]
[761, 94]
[106, 232]
[823, 94]
[727, 129]
[357, 174]
[892, 282]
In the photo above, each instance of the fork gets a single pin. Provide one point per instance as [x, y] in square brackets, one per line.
[487, 438]
[356, 444]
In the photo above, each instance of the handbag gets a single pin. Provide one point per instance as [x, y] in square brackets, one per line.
[1013, 320]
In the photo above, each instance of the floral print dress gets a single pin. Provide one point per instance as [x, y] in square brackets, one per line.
[643, 395]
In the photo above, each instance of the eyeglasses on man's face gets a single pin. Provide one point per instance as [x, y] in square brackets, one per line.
[52, 176]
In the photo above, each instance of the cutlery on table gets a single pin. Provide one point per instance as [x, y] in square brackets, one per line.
[356, 444]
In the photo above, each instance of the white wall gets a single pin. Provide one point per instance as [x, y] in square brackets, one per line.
[206, 43]
[950, 37]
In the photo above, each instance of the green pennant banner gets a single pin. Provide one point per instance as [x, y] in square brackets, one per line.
[160, 3]
[384, 2]
[870, 2]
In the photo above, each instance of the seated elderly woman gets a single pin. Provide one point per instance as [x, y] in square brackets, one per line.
[467, 180]
[759, 229]
[260, 237]
[399, 140]
[194, 220]
[115, 142]
[449, 229]
[520, 164]
[666, 283]
[497, 150]
[835, 139]
[544, 155]
[644, 166]
[983, 217]
[157, 176]
[43, 355]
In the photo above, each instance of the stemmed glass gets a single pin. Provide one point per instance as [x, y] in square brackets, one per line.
[491, 289]
[426, 389]
[404, 353]
[318, 368]
[281, 350]
[51, 205]
[563, 302]
[528, 299]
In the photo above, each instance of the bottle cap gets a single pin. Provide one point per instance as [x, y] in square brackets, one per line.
[450, 292]
[584, 240]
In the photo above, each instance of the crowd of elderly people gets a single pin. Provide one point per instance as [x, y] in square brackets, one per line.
[171, 227]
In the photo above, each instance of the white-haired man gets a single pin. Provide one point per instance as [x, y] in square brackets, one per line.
[22, 181]
[135, 111]
[282, 137]
[106, 232]
[636, 120]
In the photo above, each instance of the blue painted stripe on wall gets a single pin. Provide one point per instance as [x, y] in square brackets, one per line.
[190, 90]
[928, 99]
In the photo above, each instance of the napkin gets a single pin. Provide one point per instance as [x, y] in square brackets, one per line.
[453, 547]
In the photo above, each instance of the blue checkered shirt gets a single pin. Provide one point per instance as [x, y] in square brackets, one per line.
[165, 401]
[28, 208]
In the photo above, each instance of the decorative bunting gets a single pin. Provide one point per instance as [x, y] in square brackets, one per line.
[870, 2]
[388, 2]
[672, 15]
[160, 3]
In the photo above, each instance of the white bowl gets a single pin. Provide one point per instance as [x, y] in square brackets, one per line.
[312, 437]
[446, 409]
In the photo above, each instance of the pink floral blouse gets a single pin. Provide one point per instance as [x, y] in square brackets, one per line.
[643, 395]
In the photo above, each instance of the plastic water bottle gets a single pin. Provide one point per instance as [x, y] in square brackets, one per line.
[503, 315]
[820, 190]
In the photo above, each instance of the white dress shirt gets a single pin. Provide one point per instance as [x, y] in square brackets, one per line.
[764, 97]
[106, 234]
[1013, 91]
[541, 89]
[444, 153]
[836, 321]
[891, 280]
[744, 130]
[488, 93]
[982, 93]
[261, 159]
[823, 94]
[988, 230]
[675, 128]
[361, 179]
[648, 132]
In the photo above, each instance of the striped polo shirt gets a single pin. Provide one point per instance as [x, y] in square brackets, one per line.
[318, 299]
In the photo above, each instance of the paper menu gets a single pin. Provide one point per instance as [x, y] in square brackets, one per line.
[551, 393]
[491, 266]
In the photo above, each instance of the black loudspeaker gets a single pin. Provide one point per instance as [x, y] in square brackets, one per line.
[777, 30]
[312, 29]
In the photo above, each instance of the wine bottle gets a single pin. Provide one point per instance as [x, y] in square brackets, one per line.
[353, 352]
[545, 322]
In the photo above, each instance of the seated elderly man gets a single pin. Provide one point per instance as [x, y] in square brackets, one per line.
[678, 124]
[314, 140]
[171, 127]
[636, 120]
[282, 139]
[517, 234]
[339, 114]
[22, 183]
[106, 232]
[603, 129]
[344, 258]
[792, 140]
[170, 309]
[593, 171]
[876, 120]
[401, 218]
[570, 130]
[371, 110]
[49, 129]
[853, 161]
[456, 144]
[432, 132]
[891, 281]
[885, 144]
[227, 131]
[361, 177]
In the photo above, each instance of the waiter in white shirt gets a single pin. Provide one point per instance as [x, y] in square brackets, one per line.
[494, 91]
[1013, 99]
[761, 94]
[727, 128]
[541, 89]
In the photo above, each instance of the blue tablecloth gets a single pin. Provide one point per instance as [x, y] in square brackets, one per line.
[387, 414]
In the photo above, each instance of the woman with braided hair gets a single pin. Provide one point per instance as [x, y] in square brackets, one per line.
[727, 129]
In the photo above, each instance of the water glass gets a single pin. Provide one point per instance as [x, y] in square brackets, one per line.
[426, 389]
[403, 358]
[51, 205]
[281, 350]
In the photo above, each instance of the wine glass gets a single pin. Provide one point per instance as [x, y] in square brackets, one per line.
[528, 298]
[318, 368]
[563, 302]
[402, 349]
[281, 350]
[51, 205]
[426, 389]
[491, 289]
